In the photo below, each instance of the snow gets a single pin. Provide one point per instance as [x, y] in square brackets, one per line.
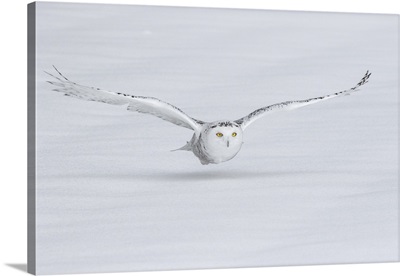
[316, 185]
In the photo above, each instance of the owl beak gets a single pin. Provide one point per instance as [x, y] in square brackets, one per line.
[227, 143]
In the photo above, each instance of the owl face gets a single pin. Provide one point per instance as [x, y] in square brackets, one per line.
[223, 140]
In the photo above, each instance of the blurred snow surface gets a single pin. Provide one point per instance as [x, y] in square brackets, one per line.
[318, 185]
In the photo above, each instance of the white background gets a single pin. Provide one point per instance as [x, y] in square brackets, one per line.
[13, 135]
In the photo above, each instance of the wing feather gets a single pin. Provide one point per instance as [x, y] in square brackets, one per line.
[147, 105]
[290, 105]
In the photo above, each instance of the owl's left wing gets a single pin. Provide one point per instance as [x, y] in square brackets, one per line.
[149, 105]
[290, 105]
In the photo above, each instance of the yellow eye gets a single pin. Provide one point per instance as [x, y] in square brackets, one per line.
[219, 134]
[234, 134]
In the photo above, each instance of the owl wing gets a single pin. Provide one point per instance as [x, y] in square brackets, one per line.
[289, 105]
[148, 105]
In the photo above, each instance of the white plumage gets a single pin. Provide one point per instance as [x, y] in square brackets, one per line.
[212, 142]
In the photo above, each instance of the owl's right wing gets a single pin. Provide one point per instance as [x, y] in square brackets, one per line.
[290, 105]
[148, 105]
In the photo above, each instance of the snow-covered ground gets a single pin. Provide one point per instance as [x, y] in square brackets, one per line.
[317, 185]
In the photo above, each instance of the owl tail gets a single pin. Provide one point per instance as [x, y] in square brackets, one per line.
[187, 147]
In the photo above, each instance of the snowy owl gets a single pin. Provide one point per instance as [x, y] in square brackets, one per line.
[212, 142]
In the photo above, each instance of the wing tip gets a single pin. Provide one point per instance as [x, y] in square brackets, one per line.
[58, 71]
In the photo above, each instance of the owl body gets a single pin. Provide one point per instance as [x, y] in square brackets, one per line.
[216, 142]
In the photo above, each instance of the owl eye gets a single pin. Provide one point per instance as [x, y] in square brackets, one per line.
[234, 134]
[219, 134]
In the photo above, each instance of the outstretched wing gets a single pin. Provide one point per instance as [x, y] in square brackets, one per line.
[141, 104]
[289, 105]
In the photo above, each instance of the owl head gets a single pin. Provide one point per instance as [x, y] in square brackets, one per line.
[223, 138]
